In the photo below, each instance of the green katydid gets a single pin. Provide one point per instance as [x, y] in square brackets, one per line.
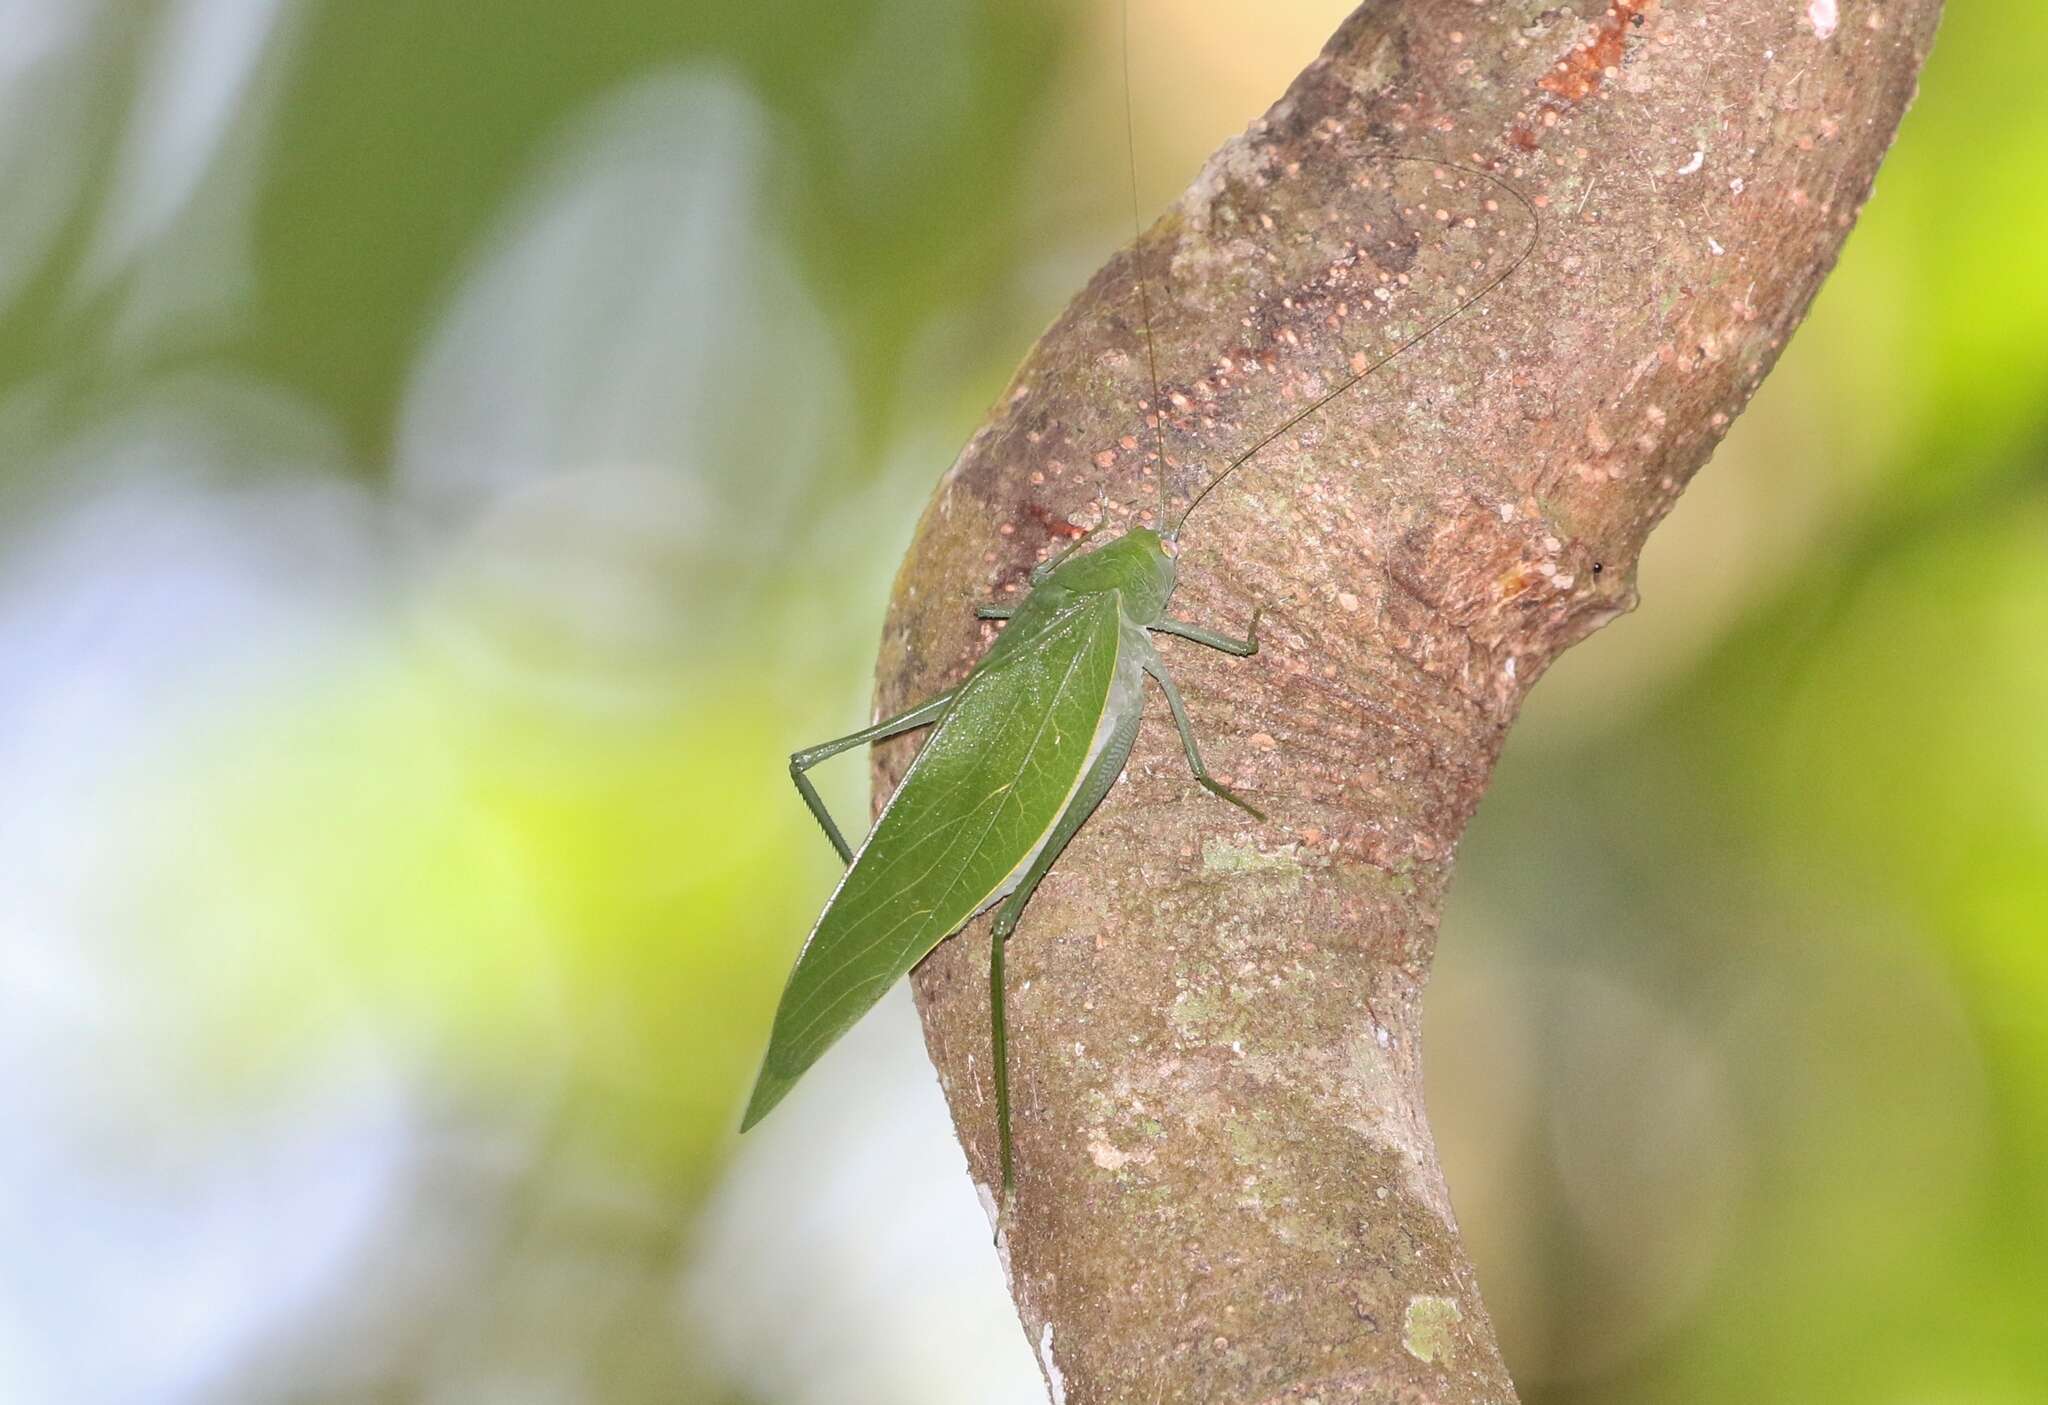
[1020, 755]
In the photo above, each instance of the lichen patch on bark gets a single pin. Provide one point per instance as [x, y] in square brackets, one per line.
[1430, 1328]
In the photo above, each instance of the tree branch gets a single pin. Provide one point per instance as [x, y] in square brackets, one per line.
[1227, 1188]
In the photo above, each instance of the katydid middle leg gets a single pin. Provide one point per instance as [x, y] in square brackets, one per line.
[1242, 648]
[1157, 668]
[922, 715]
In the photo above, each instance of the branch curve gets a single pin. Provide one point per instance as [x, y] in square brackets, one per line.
[1227, 1187]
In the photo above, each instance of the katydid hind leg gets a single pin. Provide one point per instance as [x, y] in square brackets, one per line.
[999, 1039]
[1157, 669]
[922, 715]
[1108, 765]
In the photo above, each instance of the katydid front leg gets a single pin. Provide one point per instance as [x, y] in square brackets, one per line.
[799, 762]
[1053, 562]
[1039, 573]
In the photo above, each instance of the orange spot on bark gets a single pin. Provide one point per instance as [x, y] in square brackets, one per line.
[1579, 72]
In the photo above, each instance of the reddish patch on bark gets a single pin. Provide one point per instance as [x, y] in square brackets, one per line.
[1579, 72]
[1523, 138]
[1058, 526]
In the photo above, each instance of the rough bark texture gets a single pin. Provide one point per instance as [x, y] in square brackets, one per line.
[1227, 1190]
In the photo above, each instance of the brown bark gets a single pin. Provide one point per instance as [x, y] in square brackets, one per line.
[1227, 1189]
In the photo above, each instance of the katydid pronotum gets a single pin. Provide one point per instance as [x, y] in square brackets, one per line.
[1023, 751]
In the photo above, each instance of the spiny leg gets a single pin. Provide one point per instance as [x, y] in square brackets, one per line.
[1101, 776]
[1243, 648]
[1157, 669]
[802, 761]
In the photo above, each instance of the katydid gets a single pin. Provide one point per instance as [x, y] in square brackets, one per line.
[1020, 755]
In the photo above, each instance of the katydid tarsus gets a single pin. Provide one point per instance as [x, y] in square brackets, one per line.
[1022, 751]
